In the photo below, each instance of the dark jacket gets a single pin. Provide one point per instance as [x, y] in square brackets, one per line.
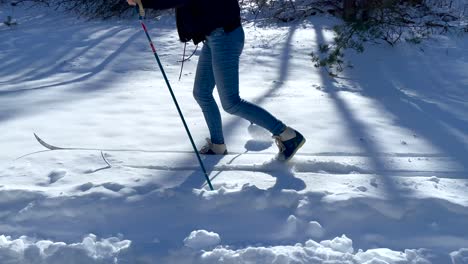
[198, 18]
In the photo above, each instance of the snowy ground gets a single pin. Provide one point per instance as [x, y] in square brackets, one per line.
[383, 176]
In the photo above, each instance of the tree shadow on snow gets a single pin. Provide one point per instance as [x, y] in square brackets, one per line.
[402, 86]
[357, 130]
[28, 73]
[436, 111]
[430, 100]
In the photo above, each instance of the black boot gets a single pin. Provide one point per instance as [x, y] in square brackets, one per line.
[289, 142]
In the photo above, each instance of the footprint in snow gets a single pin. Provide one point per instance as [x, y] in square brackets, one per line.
[85, 187]
[56, 175]
[361, 189]
[115, 187]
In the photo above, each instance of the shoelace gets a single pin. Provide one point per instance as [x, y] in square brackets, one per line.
[279, 143]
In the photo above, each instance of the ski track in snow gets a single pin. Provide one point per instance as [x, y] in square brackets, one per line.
[382, 178]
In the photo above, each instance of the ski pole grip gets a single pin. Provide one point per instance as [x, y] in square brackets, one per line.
[141, 10]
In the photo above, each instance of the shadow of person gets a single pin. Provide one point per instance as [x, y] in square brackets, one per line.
[197, 179]
[257, 145]
[285, 178]
[282, 171]
[258, 133]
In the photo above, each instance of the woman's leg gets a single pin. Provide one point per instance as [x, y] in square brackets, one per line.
[226, 49]
[203, 93]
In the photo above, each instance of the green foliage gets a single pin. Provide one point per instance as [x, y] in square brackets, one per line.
[347, 36]
[391, 24]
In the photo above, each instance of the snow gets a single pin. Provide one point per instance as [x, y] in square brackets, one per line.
[90, 250]
[339, 244]
[382, 178]
[460, 256]
[201, 239]
[56, 175]
[338, 250]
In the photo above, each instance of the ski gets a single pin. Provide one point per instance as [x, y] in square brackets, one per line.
[46, 145]
[54, 147]
[256, 167]
[231, 153]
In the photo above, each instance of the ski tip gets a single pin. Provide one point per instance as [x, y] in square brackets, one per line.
[40, 140]
[43, 143]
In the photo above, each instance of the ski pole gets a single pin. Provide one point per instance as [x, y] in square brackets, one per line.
[141, 12]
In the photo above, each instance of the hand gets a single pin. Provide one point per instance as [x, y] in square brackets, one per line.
[132, 2]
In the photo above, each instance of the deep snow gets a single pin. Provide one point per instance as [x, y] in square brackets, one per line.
[382, 178]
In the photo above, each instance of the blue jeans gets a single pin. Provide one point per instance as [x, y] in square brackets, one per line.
[219, 65]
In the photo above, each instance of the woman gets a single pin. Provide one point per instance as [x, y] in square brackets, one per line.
[217, 24]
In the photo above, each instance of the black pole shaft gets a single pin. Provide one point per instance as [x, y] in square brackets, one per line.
[176, 104]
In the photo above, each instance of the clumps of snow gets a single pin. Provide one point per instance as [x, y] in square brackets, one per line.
[90, 250]
[295, 226]
[315, 229]
[385, 255]
[339, 244]
[201, 239]
[338, 251]
[460, 256]
[312, 252]
[56, 175]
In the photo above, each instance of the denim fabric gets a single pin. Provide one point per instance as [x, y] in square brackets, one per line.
[219, 65]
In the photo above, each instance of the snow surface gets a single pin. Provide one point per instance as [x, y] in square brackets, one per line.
[201, 239]
[28, 250]
[382, 178]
